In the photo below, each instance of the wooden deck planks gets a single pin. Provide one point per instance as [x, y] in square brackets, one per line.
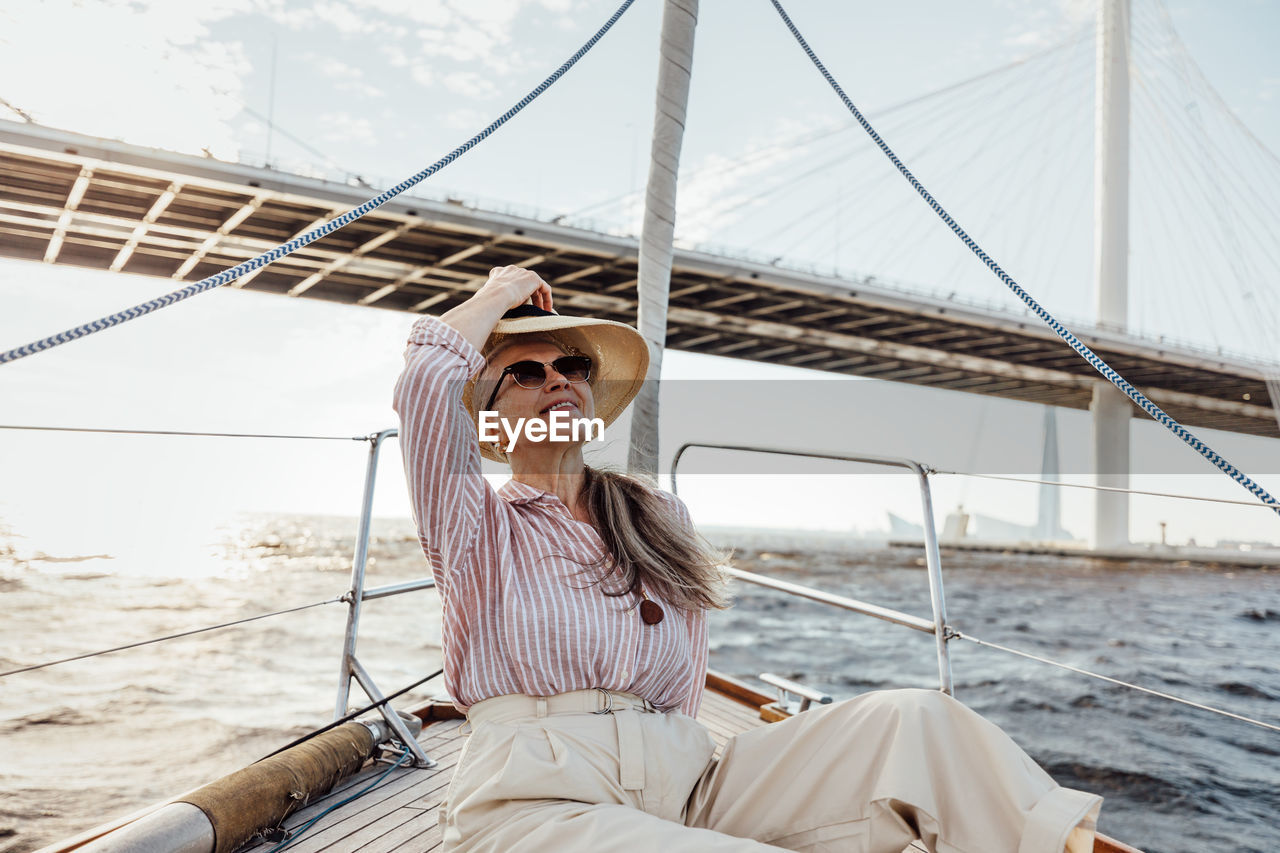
[725, 717]
[401, 814]
[400, 780]
[387, 808]
[406, 795]
[393, 806]
[419, 834]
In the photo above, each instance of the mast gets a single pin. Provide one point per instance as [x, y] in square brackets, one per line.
[1110, 407]
[679, 18]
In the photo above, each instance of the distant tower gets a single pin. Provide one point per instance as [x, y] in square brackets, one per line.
[1049, 517]
[1111, 409]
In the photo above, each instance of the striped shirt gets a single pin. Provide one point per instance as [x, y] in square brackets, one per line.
[520, 615]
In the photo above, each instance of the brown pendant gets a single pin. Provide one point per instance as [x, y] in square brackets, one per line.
[650, 612]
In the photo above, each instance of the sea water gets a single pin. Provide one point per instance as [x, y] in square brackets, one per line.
[84, 742]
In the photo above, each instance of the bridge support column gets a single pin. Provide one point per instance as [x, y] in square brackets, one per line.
[1111, 411]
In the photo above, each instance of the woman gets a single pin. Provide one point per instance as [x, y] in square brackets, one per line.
[575, 640]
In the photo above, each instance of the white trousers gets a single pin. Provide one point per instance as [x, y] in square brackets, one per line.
[867, 775]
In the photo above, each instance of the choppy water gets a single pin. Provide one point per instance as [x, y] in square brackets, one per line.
[84, 742]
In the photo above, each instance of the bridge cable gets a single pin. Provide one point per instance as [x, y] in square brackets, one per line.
[1244, 231]
[871, 178]
[801, 140]
[229, 275]
[1084, 351]
[1200, 189]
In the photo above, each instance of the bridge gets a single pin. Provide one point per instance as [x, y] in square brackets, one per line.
[71, 199]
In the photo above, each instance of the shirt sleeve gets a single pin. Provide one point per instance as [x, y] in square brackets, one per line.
[439, 443]
[697, 626]
[698, 670]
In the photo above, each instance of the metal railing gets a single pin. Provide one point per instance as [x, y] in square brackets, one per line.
[938, 626]
[786, 687]
[943, 633]
[350, 668]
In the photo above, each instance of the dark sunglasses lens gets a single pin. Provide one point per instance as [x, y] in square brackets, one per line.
[528, 374]
[575, 368]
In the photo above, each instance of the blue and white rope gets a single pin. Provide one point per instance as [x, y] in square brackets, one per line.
[1089, 355]
[229, 275]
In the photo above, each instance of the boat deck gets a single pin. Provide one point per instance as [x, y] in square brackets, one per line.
[401, 813]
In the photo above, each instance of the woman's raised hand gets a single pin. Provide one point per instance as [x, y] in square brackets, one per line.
[506, 288]
[519, 286]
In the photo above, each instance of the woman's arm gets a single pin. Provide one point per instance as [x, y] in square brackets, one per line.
[506, 288]
[437, 438]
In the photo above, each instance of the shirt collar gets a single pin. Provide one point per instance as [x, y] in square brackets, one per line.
[516, 492]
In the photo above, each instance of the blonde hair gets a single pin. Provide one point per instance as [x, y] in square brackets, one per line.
[650, 545]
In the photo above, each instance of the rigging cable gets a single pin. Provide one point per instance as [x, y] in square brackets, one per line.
[292, 835]
[295, 834]
[1061, 141]
[1085, 352]
[20, 112]
[229, 275]
[353, 714]
[180, 634]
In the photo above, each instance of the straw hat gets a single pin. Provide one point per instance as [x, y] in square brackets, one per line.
[618, 353]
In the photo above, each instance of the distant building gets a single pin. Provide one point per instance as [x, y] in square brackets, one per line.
[977, 527]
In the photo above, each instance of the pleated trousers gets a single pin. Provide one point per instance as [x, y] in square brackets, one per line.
[872, 774]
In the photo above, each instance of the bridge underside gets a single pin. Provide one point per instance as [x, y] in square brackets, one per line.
[82, 201]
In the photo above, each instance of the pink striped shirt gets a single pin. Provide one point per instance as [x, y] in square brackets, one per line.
[518, 617]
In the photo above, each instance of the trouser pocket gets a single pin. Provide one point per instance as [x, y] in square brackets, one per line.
[678, 751]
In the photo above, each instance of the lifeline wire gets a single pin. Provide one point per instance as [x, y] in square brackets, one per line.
[1101, 488]
[1089, 355]
[959, 636]
[229, 275]
[103, 430]
[169, 637]
[353, 714]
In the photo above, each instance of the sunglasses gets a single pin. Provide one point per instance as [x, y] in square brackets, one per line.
[533, 374]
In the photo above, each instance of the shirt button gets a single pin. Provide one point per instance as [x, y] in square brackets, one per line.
[625, 675]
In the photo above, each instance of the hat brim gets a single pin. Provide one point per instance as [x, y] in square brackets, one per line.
[619, 357]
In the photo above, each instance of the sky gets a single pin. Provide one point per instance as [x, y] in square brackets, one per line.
[380, 88]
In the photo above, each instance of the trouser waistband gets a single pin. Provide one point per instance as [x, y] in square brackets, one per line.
[595, 700]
